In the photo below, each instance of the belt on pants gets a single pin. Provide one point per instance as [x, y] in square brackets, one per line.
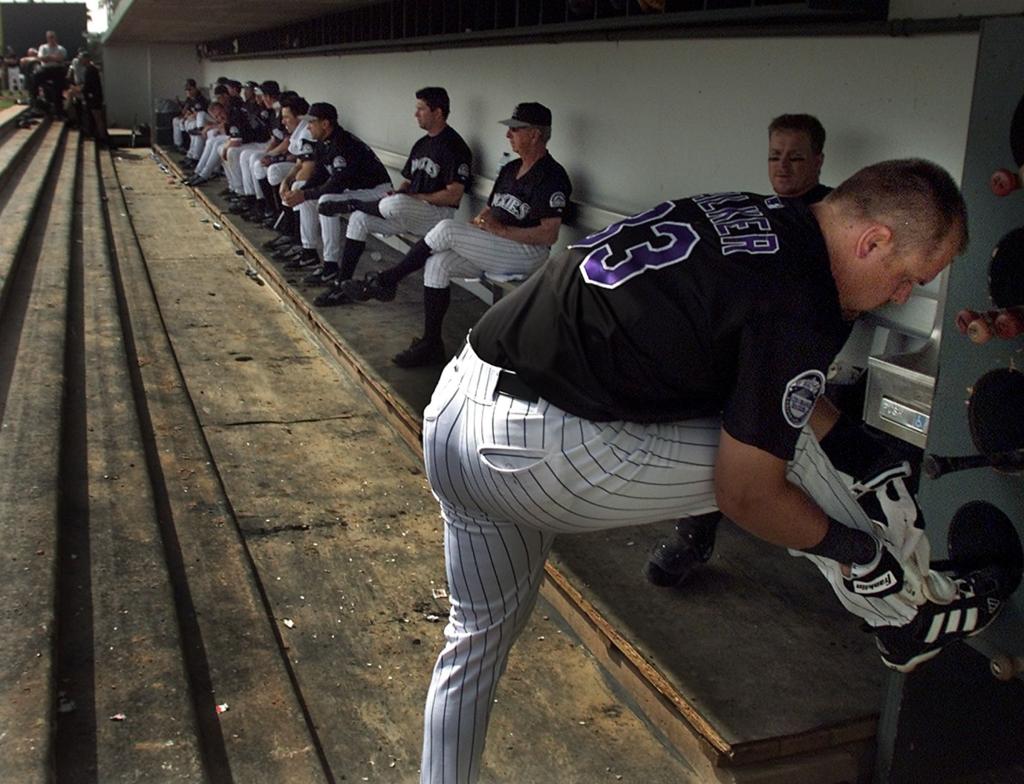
[512, 385]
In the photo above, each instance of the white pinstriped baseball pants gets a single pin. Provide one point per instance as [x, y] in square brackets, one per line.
[233, 164]
[401, 214]
[509, 475]
[197, 141]
[464, 250]
[178, 131]
[276, 172]
[210, 161]
[330, 225]
[247, 163]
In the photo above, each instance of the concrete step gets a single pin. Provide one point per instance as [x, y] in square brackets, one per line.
[233, 654]
[18, 211]
[120, 677]
[33, 325]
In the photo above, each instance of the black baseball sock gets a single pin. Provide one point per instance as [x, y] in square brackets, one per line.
[414, 260]
[350, 258]
[369, 207]
[266, 193]
[435, 305]
[845, 544]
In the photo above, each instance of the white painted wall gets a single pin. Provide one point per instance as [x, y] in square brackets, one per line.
[136, 76]
[638, 121]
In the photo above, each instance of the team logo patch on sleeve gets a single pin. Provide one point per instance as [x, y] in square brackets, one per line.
[801, 393]
[339, 162]
[464, 170]
[557, 200]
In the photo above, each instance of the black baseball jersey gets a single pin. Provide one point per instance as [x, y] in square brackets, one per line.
[92, 87]
[344, 162]
[722, 303]
[250, 122]
[815, 194]
[278, 131]
[436, 161]
[543, 192]
[197, 103]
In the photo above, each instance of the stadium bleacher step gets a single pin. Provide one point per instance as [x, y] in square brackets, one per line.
[32, 362]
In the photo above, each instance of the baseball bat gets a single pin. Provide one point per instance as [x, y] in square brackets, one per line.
[1003, 182]
[935, 466]
[1005, 667]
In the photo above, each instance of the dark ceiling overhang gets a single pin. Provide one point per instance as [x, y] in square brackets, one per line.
[193, 21]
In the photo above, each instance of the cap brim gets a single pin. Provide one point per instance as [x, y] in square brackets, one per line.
[514, 123]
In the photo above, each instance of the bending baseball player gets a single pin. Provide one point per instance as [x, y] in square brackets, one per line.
[668, 366]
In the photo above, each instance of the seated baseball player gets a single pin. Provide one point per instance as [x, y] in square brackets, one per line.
[215, 133]
[346, 168]
[796, 151]
[190, 117]
[512, 235]
[249, 126]
[268, 137]
[283, 174]
[259, 201]
[670, 365]
[437, 173]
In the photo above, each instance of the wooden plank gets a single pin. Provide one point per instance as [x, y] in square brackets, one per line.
[266, 736]
[29, 494]
[121, 625]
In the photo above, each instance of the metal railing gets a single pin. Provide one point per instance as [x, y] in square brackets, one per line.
[401, 24]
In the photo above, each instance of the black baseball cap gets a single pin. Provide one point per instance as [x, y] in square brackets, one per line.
[190, 82]
[252, 84]
[323, 111]
[269, 87]
[234, 84]
[527, 114]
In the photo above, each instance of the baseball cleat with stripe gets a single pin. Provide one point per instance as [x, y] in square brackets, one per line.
[979, 600]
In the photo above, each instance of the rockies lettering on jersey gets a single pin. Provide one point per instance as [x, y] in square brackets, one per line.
[511, 205]
[723, 304]
[427, 166]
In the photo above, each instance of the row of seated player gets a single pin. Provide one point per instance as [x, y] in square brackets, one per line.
[293, 166]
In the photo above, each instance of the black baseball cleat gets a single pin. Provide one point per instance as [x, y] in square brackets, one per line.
[337, 294]
[286, 252]
[332, 208]
[421, 353]
[225, 192]
[307, 257]
[321, 277]
[374, 287]
[674, 559]
[980, 598]
[280, 241]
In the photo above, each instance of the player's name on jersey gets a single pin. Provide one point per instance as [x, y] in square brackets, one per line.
[740, 222]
